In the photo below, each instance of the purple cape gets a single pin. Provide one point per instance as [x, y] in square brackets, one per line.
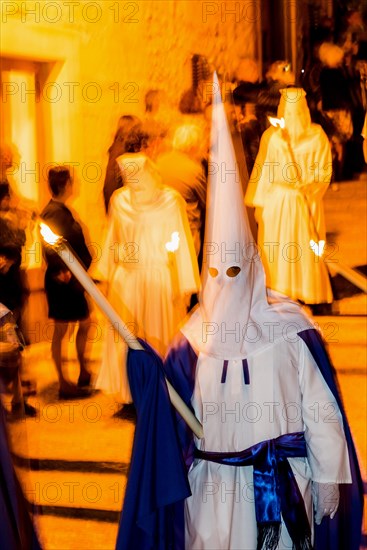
[152, 516]
[345, 530]
[157, 483]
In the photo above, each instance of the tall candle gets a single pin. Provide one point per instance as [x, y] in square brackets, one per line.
[171, 247]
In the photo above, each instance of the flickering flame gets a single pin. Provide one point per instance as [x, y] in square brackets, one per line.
[49, 236]
[277, 122]
[317, 248]
[172, 245]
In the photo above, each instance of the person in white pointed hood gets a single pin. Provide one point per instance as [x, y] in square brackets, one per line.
[148, 284]
[243, 362]
[290, 177]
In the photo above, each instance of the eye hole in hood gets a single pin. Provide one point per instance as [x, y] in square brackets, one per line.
[233, 271]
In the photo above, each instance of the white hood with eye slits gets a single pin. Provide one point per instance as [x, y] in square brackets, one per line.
[234, 317]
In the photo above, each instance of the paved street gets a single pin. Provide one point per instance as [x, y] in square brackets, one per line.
[79, 454]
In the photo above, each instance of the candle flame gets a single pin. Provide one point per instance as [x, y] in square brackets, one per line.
[317, 248]
[277, 122]
[49, 236]
[173, 244]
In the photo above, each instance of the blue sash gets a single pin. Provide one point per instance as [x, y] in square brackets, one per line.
[275, 488]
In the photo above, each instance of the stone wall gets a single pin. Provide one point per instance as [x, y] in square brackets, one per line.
[118, 50]
[148, 44]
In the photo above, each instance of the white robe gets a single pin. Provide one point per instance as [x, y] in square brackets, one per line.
[290, 212]
[147, 286]
[286, 394]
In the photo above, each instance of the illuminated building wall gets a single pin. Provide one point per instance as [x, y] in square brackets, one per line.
[70, 69]
[93, 62]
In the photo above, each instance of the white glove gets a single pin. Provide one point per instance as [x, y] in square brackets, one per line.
[325, 500]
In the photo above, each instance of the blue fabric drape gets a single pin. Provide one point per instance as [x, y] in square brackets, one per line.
[180, 369]
[344, 531]
[275, 488]
[153, 516]
[157, 480]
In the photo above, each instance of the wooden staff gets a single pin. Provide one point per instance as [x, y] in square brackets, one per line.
[60, 246]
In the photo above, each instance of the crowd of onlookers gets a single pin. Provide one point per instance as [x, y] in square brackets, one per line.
[334, 77]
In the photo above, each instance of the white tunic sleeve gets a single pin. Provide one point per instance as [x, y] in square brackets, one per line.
[323, 425]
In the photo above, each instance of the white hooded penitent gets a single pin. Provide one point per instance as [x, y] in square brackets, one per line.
[234, 316]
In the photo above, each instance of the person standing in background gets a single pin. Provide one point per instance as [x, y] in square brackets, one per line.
[182, 170]
[113, 177]
[290, 177]
[65, 296]
[17, 215]
[149, 285]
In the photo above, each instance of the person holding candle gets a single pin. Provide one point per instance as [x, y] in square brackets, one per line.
[275, 467]
[149, 283]
[290, 177]
[65, 296]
